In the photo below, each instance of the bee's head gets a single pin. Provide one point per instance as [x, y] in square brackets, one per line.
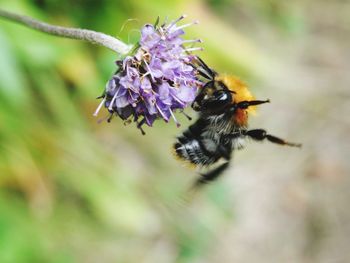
[214, 97]
[220, 92]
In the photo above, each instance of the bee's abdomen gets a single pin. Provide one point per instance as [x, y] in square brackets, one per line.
[193, 153]
[190, 147]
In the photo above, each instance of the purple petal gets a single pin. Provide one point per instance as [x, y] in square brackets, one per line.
[146, 85]
[121, 102]
[149, 36]
[163, 91]
[150, 119]
[186, 94]
[175, 33]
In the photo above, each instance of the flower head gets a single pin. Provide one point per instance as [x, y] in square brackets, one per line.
[158, 78]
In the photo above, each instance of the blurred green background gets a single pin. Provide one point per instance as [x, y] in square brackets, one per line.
[74, 190]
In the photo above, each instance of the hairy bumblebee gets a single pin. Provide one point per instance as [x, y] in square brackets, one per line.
[223, 103]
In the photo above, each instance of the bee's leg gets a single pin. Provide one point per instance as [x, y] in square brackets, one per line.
[260, 135]
[224, 152]
[210, 176]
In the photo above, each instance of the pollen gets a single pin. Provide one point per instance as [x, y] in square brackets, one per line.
[185, 162]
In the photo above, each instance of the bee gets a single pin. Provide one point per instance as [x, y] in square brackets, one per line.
[223, 104]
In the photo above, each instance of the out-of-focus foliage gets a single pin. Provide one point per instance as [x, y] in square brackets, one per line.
[74, 190]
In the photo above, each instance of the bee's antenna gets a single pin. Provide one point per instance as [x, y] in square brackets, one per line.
[206, 68]
[204, 74]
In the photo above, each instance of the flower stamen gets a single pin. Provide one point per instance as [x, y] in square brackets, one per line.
[193, 49]
[149, 70]
[161, 112]
[192, 41]
[187, 25]
[175, 120]
[112, 101]
[99, 107]
[175, 21]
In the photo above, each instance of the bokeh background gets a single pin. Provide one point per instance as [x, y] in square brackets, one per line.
[73, 190]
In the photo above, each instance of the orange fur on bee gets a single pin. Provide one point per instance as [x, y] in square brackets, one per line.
[242, 93]
[241, 117]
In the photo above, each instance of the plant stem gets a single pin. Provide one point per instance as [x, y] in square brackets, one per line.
[74, 33]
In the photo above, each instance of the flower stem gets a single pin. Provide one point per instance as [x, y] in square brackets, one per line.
[66, 32]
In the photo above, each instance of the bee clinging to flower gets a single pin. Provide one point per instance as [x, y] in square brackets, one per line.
[223, 104]
[161, 75]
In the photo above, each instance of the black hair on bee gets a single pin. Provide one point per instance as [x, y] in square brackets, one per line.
[223, 104]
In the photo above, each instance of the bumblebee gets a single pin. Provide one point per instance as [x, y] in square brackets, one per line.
[223, 104]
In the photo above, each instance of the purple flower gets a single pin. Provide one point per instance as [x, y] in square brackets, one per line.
[156, 80]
